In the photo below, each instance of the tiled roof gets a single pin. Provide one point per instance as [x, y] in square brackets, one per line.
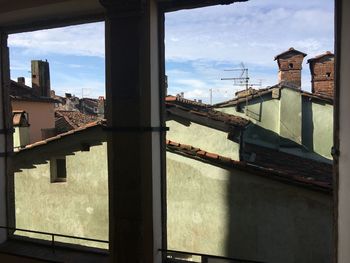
[265, 169]
[290, 50]
[290, 163]
[74, 119]
[188, 107]
[261, 92]
[22, 92]
[328, 53]
[90, 102]
[272, 172]
[100, 123]
[185, 102]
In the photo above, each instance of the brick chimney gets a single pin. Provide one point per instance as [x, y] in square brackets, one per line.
[322, 74]
[21, 80]
[290, 66]
[101, 106]
[41, 78]
[21, 126]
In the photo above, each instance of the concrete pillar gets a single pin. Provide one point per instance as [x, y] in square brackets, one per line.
[133, 106]
[342, 110]
[5, 124]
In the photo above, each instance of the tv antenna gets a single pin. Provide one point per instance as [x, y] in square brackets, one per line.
[243, 78]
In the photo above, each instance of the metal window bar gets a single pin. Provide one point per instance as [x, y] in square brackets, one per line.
[205, 258]
[53, 235]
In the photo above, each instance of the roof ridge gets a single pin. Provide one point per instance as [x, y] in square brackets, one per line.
[190, 151]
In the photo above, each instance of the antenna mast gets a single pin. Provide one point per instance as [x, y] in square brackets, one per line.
[243, 79]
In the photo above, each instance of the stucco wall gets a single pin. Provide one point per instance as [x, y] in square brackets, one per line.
[41, 116]
[262, 111]
[323, 129]
[21, 136]
[78, 207]
[303, 121]
[290, 115]
[231, 213]
[210, 140]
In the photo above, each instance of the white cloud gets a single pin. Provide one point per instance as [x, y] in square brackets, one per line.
[82, 40]
[207, 40]
[251, 32]
[78, 85]
[214, 38]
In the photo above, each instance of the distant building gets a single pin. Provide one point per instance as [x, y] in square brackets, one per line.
[35, 101]
[70, 120]
[284, 116]
[215, 204]
[248, 178]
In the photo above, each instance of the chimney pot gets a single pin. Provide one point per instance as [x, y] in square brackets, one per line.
[322, 74]
[21, 80]
[290, 66]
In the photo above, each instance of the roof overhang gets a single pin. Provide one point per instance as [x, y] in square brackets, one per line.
[67, 144]
[175, 5]
[27, 15]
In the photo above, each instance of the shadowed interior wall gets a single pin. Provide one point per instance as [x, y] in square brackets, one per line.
[78, 207]
[236, 214]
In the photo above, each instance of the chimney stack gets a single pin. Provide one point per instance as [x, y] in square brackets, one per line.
[21, 126]
[166, 85]
[322, 74]
[101, 106]
[290, 66]
[21, 80]
[41, 78]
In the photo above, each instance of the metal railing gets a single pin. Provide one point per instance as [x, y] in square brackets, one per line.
[53, 235]
[173, 256]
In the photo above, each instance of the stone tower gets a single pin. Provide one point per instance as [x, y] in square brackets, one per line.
[41, 78]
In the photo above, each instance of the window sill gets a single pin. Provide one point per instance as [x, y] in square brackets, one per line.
[42, 251]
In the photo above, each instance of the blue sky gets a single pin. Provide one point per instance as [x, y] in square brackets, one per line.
[200, 45]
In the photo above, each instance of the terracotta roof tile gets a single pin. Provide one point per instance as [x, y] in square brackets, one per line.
[292, 164]
[264, 169]
[290, 50]
[328, 53]
[212, 155]
[20, 91]
[183, 101]
[70, 120]
[261, 92]
[101, 123]
[204, 111]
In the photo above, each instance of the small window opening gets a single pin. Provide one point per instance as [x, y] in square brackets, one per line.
[290, 65]
[328, 74]
[58, 171]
